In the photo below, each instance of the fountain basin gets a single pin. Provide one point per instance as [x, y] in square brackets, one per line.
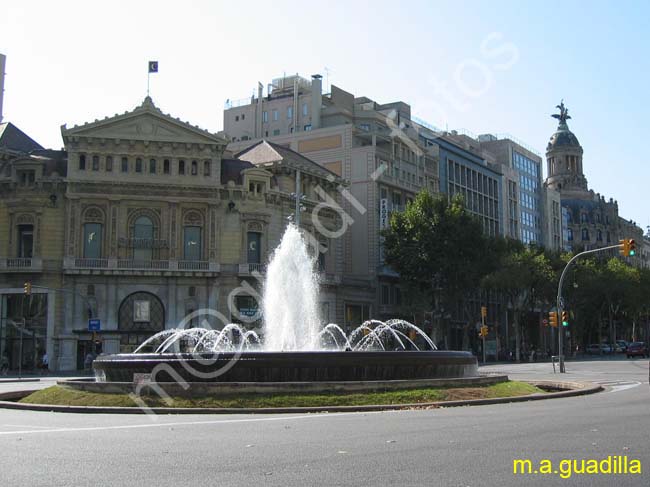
[313, 366]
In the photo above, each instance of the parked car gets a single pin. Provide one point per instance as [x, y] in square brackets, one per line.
[596, 348]
[637, 349]
[621, 346]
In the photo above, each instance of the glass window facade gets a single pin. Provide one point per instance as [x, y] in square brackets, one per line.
[529, 198]
[479, 191]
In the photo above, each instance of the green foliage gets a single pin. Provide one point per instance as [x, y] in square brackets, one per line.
[437, 245]
[443, 258]
[57, 395]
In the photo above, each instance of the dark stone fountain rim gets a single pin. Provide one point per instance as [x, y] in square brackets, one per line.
[273, 355]
[261, 366]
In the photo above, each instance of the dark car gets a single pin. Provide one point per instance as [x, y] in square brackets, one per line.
[637, 349]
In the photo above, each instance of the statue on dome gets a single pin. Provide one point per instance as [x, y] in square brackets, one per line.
[563, 116]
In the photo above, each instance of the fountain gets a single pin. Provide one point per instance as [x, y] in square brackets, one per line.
[294, 347]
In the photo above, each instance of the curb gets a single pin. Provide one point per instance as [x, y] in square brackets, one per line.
[569, 389]
[10, 381]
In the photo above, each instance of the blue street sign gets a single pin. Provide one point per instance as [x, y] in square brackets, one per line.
[94, 325]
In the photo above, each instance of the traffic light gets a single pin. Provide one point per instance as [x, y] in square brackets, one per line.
[27, 288]
[625, 247]
[628, 247]
[483, 311]
[565, 318]
[552, 318]
[483, 332]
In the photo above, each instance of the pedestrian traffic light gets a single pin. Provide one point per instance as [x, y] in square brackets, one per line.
[483, 311]
[552, 318]
[631, 247]
[565, 318]
[28, 288]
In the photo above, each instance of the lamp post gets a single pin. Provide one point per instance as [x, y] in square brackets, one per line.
[298, 197]
[560, 300]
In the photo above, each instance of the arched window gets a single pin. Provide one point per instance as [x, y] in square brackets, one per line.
[585, 234]
[93, 233]
[570, 235]
[254, 242]
[143, 234]
[195, 168]
[583, 218]
[191, 243]
[92, 240]
[140, 315]
[599, 236]
[192, 233]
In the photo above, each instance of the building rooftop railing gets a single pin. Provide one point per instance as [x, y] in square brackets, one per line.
[468, 133]
[238, 103]
[518, 141]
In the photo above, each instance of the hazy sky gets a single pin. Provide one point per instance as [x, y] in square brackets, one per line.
[485, 66]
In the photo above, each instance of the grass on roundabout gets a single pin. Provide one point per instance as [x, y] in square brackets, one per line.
[57, 395]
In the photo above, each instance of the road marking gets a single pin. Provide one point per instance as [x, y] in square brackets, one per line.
[186, 423]
[623, 386]
[25, 426]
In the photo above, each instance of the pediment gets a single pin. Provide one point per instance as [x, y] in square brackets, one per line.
[145, 127]
[144, 123]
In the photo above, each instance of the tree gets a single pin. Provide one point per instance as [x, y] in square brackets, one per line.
[525, 277]
[439, 250]
[605, 290]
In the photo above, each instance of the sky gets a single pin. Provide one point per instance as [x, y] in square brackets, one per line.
[483, 66]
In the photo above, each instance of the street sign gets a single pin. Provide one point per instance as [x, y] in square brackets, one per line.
[94, 324]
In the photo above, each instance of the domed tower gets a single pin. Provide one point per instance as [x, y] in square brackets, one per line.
[564, 158]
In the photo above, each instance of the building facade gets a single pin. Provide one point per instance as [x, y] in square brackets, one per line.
[144, 224]
[385, 156]
[592, 221]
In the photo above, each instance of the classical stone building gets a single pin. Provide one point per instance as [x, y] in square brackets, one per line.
[147, 222]
[593, 221]
[32, 219]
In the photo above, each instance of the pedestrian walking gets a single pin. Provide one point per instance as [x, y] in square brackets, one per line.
[45, 364]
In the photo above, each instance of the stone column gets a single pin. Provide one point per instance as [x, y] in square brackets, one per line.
[171, 312]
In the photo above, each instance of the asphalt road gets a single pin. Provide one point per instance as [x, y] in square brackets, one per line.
[467, 446]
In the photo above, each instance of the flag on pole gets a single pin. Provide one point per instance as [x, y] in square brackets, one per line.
[153, 66]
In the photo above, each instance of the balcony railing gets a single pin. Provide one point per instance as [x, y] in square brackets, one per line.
[91, 263]
[19, 264]
[248, 269]
[193, 265]
[143, 264]
[140, 265]
[326, 278]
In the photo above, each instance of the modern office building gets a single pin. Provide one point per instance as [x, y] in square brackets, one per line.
[385, 156]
